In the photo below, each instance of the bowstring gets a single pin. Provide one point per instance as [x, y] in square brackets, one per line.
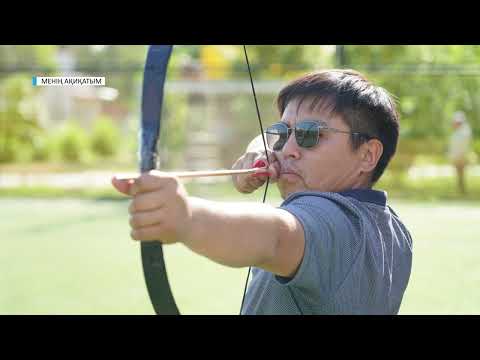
[266, 154]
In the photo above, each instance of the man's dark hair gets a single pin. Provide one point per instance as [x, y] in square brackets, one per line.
[365, 107]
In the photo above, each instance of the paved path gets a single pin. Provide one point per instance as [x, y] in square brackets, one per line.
[92, 179]
[101, 179]
[431, 171]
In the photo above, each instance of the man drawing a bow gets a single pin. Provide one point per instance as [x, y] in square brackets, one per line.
[333, 246]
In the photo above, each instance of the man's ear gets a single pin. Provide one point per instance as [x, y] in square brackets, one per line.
[371, 151]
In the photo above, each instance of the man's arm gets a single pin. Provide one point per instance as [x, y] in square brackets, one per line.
[246, 234]
[234, 234]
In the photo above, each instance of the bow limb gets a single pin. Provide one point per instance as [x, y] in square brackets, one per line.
[154, 269]
[152, 98]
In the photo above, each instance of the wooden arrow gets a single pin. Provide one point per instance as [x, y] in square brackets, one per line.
[203, 173]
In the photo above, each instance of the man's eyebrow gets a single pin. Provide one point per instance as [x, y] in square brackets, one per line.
[285, 120]
[321, 122]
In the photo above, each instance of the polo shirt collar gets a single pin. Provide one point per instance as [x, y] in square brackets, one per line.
[367, 195]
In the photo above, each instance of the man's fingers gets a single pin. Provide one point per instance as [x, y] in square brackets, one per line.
[256, 182]
[123, 185]
[271, 171]
[148, 201]
[260, 163]
[146, 218]
[146, 182]
[250, 182]
[147, 233]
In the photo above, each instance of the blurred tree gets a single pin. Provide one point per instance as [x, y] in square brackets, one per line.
[217, 60]
[280, 61]
[105, 138]
[73, 143]
[19, 111]
[430, 82]
[27, 57]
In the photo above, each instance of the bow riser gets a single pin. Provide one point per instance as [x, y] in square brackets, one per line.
[152, 99]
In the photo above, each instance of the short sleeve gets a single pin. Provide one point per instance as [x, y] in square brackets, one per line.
[333, 238]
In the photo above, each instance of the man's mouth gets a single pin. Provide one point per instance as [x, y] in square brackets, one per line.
[288, 172]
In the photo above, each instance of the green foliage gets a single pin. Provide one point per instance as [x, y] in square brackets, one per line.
[428, 93]
[173, 135]
[28, 56]
[476, 146]
[411, 150]
[429, 188]
[19, 109]
[274, 61]
[9, 151]
[426, 98]
[105, 138]
[43, 148]
[73, 143]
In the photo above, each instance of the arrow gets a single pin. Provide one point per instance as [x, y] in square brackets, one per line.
[195, 174]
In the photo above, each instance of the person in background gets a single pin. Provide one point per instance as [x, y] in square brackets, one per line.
[459, 147]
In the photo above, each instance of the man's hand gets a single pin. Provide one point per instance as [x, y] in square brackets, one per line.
[255, 157]
[159, 209]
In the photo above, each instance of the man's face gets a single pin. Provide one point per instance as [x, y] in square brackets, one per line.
[456, 123]
[331, 165]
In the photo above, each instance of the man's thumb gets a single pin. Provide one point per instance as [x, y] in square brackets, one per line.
[122, 185]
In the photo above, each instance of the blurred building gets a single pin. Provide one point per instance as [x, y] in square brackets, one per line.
[77, 102]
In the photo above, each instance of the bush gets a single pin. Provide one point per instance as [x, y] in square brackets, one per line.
[476, 146]
[73, 144]
[106, 137]
[8, 151]
[15, 150]
[43, 148]
[19, 124]
[411, 149]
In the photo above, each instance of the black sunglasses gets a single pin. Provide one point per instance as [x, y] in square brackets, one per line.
[307, 134]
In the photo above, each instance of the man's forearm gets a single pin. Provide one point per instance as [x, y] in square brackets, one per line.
[234, 234]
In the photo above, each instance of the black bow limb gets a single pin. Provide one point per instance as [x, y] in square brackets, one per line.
[153, 261]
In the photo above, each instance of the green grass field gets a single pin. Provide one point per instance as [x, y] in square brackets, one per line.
[75, 256]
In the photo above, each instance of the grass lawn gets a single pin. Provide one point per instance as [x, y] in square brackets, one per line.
[74, 256]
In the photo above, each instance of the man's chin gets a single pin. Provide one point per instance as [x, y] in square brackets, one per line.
[286, 189]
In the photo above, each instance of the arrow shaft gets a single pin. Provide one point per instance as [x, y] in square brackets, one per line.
[196, 174]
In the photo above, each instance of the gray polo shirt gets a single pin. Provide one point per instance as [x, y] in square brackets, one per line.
[357, 258]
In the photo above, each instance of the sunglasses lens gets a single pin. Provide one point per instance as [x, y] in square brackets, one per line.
[276, 136]
[306, 134]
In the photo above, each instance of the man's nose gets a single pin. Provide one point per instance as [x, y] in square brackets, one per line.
[291, 148]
